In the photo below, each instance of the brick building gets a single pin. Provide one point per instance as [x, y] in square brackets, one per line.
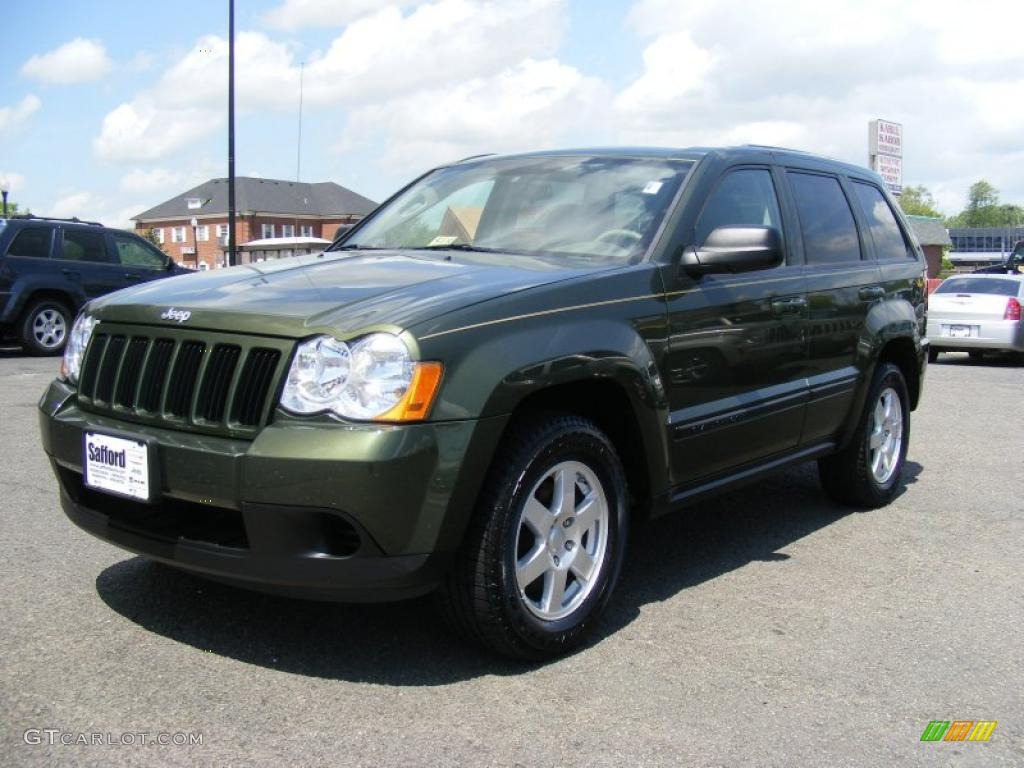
[265, 208]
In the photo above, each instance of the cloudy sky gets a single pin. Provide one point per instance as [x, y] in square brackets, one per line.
[109, 107]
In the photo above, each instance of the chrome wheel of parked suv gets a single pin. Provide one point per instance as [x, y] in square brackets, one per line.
[545, 548]
[562, 540]
[866, 473]
[44, 329]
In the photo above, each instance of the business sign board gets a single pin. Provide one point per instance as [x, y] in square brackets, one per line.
[885, 138]
[885, 152]
[891, 170]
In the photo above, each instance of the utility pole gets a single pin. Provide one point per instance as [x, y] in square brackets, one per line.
[298, 152]
[231, 133]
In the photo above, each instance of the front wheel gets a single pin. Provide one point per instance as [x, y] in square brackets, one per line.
[867, 472]
[544, 550]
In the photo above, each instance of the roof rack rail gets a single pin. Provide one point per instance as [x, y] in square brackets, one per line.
[474, 157]
[72, 220]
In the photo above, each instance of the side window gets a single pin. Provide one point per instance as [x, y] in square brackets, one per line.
[826, 221]
[744, 198]
[132, 253]
[80, 245]
[885, 231]
[32, 242]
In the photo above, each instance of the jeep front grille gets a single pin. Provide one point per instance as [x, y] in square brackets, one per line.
[217, 383]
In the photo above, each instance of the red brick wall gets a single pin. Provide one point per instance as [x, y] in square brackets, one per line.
[246, 228]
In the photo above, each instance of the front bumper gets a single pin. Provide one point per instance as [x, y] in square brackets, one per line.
[331, 511]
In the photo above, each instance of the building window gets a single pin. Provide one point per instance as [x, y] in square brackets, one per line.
[287, 230]
[202, 233]
[158, 234]
[222, 230]
[177, 234]
[306, 230]
[193, 203]
[266, 230]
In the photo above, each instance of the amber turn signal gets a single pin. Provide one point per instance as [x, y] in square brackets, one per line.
[417, 399]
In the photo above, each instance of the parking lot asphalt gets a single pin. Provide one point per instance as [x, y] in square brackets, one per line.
[765, 627]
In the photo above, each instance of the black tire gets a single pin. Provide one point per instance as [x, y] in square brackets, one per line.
[977, 356]
[481, 595]
[933, 354]
[847, 476]
[45, 327]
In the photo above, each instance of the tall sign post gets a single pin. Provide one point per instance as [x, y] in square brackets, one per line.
[885, 152]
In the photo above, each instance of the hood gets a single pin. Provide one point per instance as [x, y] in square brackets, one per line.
[343, 293]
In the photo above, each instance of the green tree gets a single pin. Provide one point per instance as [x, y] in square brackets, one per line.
[12, 209]
[918, 201]
[984, 210]
[150, 235]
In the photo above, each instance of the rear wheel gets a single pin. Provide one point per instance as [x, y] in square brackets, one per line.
[976, 356]
[867, 472]
[45, 327]
[545, 548]
[933, 354]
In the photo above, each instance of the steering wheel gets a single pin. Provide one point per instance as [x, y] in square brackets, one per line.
[610, 235]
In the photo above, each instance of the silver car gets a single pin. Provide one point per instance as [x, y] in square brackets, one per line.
[976, 313]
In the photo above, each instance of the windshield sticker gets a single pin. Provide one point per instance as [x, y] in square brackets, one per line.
[652, 187]
[442, 240]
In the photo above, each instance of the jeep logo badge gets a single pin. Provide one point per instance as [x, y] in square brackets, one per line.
[178, 315]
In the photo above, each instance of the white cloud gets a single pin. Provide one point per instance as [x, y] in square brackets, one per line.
[147, 180]
[91, 206]
[77, 61]
[15, 181]
[532, 105]
[810, 75]
[293, 14]
[19, 113]
[440, 45]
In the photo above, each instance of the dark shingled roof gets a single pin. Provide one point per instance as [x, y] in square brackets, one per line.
[253, 195]
[929, 230]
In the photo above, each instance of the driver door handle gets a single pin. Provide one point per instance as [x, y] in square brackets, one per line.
[793, 305]
[871, 292]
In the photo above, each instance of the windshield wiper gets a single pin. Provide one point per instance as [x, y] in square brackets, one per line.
[356, 247]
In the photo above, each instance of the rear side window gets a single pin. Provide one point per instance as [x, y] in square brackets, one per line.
[133, 253]
[744, 198]
[889, 242]
[826, 221]
[84, 246]
[979, 285]
[33, 242]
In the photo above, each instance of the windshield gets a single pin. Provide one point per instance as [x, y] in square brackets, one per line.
[597, 208]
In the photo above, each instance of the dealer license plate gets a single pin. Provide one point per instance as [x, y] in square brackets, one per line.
[959, 331]
[115, 465]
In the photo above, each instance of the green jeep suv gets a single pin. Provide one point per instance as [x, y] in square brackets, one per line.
[478, 387]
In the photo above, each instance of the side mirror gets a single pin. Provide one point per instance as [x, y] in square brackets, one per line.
[735, 249]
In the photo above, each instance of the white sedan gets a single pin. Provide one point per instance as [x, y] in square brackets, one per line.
[976, 313]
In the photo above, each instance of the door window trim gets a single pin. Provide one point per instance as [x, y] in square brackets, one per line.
[865, 259]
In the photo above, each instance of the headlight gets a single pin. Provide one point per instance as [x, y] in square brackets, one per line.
[74, 351]
[373, 379]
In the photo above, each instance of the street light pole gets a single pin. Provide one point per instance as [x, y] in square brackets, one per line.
[5, 187]
[231, 133]
[195, 241]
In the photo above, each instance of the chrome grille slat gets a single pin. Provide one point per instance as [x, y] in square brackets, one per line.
[212, 382]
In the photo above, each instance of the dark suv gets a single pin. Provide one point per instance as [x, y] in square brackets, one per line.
[484, 380]
[49, 268]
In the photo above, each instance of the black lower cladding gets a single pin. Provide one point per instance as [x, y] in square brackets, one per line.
[268, 529]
